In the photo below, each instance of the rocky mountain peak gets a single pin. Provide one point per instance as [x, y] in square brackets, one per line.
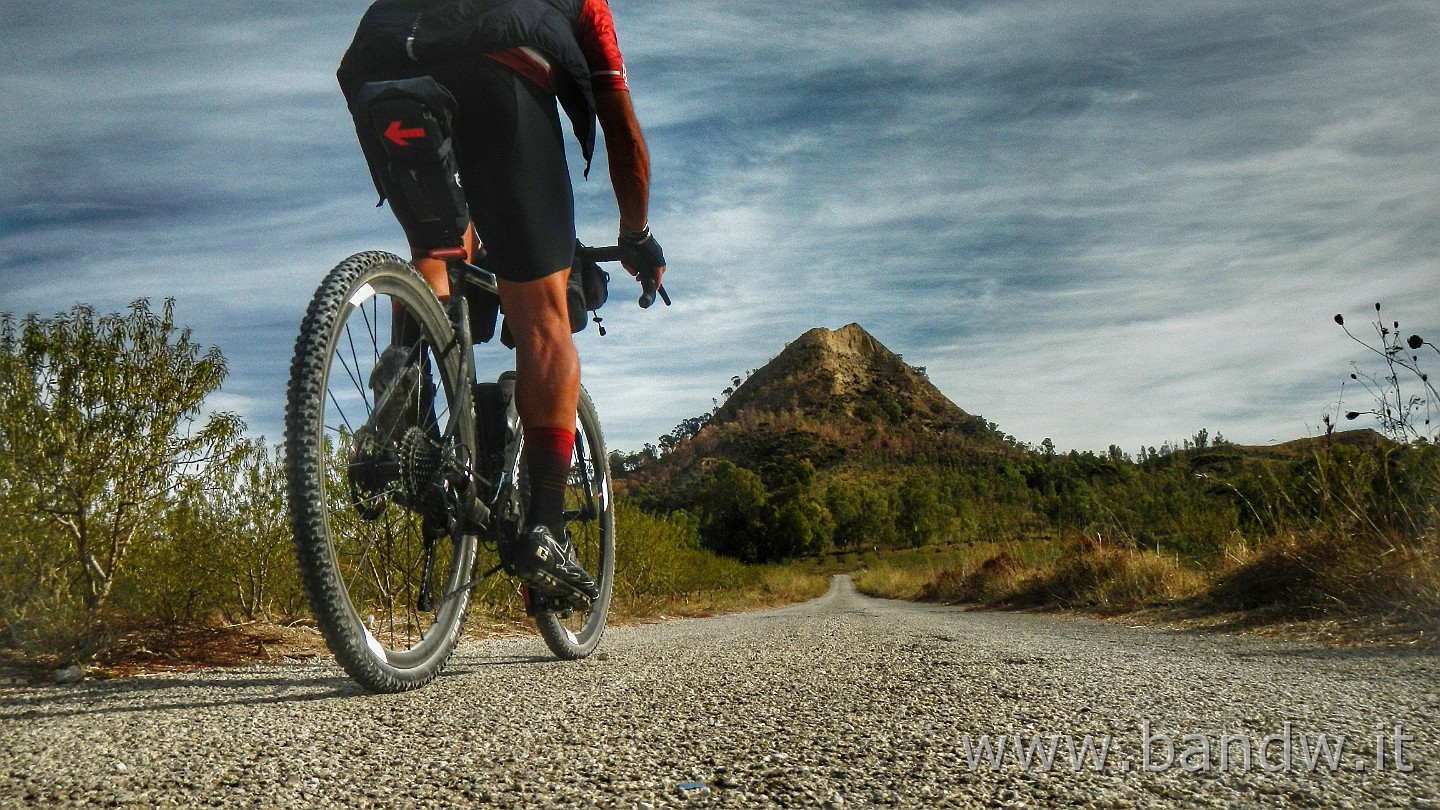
[839, 374]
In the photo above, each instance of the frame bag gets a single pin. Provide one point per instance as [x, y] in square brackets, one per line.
[588, 289]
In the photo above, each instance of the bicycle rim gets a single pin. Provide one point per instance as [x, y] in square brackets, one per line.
[362, 485]
[590, 525]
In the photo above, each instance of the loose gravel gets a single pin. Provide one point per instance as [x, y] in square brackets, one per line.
[841, 702]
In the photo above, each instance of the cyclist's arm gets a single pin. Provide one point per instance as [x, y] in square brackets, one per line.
[624, 144]
[629, 159]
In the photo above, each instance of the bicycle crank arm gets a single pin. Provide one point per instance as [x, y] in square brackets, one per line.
[467, 586]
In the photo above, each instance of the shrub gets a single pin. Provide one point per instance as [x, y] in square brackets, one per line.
[1094, 573]
[100, 425]
[994, 579]
[660, 556]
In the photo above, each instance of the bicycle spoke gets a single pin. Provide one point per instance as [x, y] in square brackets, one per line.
[343, 419]
[373, 328]
[354, 373]
[364, 396]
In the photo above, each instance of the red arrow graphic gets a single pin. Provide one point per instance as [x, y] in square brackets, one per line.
[402, 136]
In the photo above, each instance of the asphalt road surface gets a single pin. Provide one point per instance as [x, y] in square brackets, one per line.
[845, 701]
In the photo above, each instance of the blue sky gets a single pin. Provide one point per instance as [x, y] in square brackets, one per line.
[1091, 221]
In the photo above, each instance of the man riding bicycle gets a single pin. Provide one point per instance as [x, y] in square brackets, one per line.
[506, 63]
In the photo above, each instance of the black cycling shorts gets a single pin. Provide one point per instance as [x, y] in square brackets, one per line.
[511, 151]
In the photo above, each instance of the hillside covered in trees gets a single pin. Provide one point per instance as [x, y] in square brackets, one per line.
[838, 445]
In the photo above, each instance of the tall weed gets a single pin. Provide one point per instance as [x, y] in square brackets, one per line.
[1361, 535]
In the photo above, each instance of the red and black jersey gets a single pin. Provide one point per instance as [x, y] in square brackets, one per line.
[566, 46]
[596, 35]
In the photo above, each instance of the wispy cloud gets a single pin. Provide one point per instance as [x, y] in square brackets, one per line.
[1098, 222]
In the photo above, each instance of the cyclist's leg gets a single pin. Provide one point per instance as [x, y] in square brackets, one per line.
[547, 365]
[512, 161]
[547, 390]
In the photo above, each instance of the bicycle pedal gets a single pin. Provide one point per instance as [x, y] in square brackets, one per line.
[561, 602]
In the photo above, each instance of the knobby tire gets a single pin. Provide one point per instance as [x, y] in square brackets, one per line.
[360, 551]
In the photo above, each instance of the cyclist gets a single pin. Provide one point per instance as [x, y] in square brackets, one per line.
[507, 63]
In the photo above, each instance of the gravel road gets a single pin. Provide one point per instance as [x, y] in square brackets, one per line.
[845, 701]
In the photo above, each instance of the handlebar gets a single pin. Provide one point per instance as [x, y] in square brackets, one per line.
[611, 253]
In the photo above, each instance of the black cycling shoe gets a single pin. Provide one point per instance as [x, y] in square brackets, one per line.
[546, 563]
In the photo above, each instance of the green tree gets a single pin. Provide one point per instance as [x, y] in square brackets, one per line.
[796, 525]
[861, 515]
[921, 516]
[847, 512]
[741, 518]
[733, 505]
[100, 423]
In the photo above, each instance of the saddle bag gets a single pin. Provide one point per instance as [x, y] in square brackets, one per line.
[405, 130]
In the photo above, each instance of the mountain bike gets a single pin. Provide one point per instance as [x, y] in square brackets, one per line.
[406, 473]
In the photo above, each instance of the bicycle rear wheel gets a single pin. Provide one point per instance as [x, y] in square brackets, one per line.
[369, 437]
[590, 524]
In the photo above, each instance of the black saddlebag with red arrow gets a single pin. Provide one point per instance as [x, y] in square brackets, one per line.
[405, 131]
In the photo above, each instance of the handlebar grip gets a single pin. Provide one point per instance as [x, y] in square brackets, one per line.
[611, 253]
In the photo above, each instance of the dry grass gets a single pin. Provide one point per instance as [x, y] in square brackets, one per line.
[1327, 573]
[1089, 572]
[888, 582]
[1372, 581]
[1372, 548]
[994, 579]
[1110, 577]
[771, 586]
[940, 574]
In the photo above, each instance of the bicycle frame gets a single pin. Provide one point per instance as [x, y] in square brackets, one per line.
[463, 276]
[486, 497]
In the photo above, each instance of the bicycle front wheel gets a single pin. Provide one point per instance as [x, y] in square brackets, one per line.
[371, 431]
[590, 524]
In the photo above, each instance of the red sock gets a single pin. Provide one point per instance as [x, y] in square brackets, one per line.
[547, 459]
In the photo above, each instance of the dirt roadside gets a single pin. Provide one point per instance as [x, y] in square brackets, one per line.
[150, 648]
